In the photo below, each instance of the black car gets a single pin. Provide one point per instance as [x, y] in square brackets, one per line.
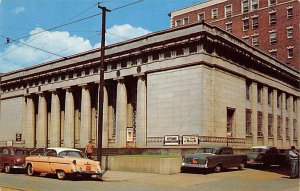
[263, 156]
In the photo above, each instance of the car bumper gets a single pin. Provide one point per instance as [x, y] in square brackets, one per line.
[21, 167]
[254, 163]
[98, 173]
[194, 165]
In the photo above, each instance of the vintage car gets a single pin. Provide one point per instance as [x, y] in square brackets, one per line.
[12, 158]
[263, 156]
[63, 162]
[213, 157]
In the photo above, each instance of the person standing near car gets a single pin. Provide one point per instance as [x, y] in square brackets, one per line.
[294, 158]
[89, 149]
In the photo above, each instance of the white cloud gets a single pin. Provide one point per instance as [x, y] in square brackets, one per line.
[18, 10]
[118, 33]
[17, 56]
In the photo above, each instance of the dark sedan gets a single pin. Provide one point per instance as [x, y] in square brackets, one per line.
[12, 158]
[263, 156]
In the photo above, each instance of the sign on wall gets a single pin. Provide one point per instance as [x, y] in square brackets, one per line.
[129, 134]
[171, 140]
[190, 140]
[18, 137]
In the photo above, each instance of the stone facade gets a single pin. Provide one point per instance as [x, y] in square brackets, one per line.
[195, 80]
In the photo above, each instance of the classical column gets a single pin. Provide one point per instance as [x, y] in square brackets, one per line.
[24, 118]
[121, 115]
[141, 126]
[274, 114]
[265, 115]
[298, 120]
[69, 123]
[283, 121]
[86, 117]
[254, 112]
[55, 120]
[105, 119]
[42, 121]
[291, 120]
[30, 121]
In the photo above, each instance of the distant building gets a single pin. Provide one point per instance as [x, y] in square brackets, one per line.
[178, 88]
[271, 25]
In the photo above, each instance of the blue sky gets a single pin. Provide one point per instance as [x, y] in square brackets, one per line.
[21, 18]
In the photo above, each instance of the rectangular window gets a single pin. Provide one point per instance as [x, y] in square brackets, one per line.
[229, 27]
[287, 130]
[295, 129]
[248, 122]
[279, 127]
[254, 4]
[201, 17]
[272, 18]
[246, 39]
[214, 13]
[245, 24]
[248, 87]
[259, 94]
[185, 21]
[255, 23]
[273, 53]
[272, 2]
[289, 33]
[273, 37]
[269, 97]
[230, 118]
[177, 22]
[270, 124]
[290, 52]
[245, 6]
[255, 40]
[259, 123]
[289, 13]
[228, 11]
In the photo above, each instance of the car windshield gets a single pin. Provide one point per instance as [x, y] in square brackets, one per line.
[258, 150]
[206, 150]
[20, 152]
[76, 154]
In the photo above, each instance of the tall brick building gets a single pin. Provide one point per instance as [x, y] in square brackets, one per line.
[271, 25]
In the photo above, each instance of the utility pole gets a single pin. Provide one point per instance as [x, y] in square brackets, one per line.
[101, 84]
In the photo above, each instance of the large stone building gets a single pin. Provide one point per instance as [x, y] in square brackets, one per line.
[271, 25]
[166, 89]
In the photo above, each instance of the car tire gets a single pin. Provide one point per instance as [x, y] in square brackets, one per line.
[241, 166]
[99, 178]
[218, 168]
[87, 176]
[7, 169]
[30, 170]
[183, 170]
[61, 175]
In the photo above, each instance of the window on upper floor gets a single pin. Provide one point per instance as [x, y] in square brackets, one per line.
[289, 12]
[214, 13]
[272, 2]
[185, 21]
[246, 39]
[259, 94]
[259, 123]
[254, 5]
[245, 24]
[272, 18]
[254, 22]
[201, 16]
[273, 37]
[228, 11]
[248, 88]
[295, 129]
[178, 22]
[290, 52]
[270, 124]
[229, 27]
[255, 40]
[289, 32]
[245, 6]
[248, 122]
[273, 53]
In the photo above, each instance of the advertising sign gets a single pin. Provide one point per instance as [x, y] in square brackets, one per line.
[190, 140]
[171, 140]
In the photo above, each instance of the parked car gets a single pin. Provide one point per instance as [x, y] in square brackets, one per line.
[213, 157]
[12, 158]
[263, 156]
[63, 162]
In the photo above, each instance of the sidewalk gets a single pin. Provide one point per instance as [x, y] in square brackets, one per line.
[111, 176]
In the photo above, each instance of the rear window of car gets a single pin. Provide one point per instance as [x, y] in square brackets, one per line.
[19, 152]
[259, 150]
[75, 154]
[207, 150]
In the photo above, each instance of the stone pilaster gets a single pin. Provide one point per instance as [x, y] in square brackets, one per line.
[265, 115]
[86, 117]
[42, 122]
[283, 121]
[105, 119]
[298, 120]
[24, 118]
[141, 126]
[55, 120]
[30, 121]
[254, 112]
[274, 120]
[121, 115]
[69, 123]
[291, 117]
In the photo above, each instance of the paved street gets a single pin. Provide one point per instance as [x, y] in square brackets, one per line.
[248, 179]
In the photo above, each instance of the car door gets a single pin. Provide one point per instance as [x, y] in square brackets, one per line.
[5, 156]
[52, 161]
